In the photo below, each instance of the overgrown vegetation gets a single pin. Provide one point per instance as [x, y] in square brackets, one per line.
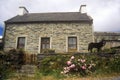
[52, 65]
[62, 66]
[79, 65]
[10, 61]
[4, 67]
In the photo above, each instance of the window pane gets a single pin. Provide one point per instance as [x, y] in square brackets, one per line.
[72, 42]
[43, 46]
[47, 46]
[45, 43]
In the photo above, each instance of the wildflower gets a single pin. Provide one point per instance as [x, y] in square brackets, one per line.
[92, 64]
[90, 67]
[79, 60]
[83, 67]
[66, 70]
[69, 63]
[62, 72]
[72, 57]
[72, 66]
[82, 60]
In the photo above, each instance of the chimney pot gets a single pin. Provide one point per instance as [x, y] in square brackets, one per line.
[83, 9]
[22, 11]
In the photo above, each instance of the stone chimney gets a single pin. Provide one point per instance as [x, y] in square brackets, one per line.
[22, 11]
[83, 9]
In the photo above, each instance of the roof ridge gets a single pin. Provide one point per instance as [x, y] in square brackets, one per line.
[51, 16]
[53, 12]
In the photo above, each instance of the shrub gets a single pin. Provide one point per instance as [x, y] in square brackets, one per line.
[4, 66]
[15, 58]
[80, 66]
[115, 64]
[52, 64]
[47, 51]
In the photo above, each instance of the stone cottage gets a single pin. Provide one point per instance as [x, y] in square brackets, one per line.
[61, 31]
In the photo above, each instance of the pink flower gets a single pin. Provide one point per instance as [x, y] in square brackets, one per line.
[69, 62]
[66, 70]
[82, 60]
[72, 66]
[83, 67]
[72, 57]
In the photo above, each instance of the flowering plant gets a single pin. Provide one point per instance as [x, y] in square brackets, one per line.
[78, 65]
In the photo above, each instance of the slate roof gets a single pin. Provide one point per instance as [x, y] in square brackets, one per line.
[51, 17]
[106, 34]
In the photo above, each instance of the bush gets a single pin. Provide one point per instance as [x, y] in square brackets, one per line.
[79, 65]
[4, 66]
[48, 51]
[115, 64]
[52, 64]
[82, 65]
[10, 61]
[15, 58]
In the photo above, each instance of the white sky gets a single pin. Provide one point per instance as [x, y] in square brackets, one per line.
[105, 13]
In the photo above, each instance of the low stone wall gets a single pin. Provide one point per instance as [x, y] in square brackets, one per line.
[111, 43]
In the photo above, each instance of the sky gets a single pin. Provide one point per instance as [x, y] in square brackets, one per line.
[105, 13]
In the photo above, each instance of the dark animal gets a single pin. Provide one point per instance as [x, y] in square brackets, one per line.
[98, 45]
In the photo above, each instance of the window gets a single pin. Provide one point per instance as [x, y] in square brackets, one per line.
[72, 44]
[21, 43]
[45, 43]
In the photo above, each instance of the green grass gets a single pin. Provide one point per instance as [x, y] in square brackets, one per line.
[39, 76]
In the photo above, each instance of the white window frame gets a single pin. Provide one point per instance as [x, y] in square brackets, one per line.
[67, 42]
[39, 45]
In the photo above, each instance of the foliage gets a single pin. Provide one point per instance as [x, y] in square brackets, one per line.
[106, 65]
[10, 61]
[52, 64]
[4, 66]
[80, 66]
[15, 58]
[112, 50]
[47, 51]
[115, 64]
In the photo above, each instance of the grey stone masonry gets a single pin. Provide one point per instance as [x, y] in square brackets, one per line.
[58, 32]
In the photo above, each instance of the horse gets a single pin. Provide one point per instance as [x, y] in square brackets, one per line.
[98, 45]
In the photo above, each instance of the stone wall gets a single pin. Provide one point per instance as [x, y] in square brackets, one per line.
[58, 33]
[106, 35]
[112, 39]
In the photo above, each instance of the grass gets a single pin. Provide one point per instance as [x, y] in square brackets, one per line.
[39, 76]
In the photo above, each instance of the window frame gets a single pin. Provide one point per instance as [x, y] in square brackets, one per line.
[74, 44]
[24, 42]
[44, 43]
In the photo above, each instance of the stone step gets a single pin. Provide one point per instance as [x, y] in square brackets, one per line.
[28, 69]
